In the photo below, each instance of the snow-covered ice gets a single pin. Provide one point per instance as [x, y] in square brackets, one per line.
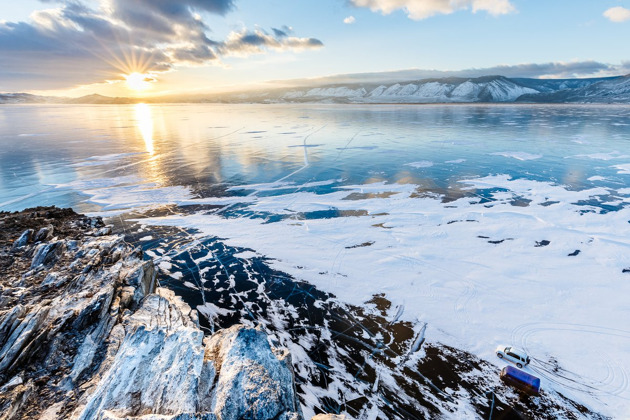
[420, 164]
[477, 274]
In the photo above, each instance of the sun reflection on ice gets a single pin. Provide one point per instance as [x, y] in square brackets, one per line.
[144, 119]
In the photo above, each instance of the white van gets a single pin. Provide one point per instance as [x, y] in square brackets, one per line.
[514, 355]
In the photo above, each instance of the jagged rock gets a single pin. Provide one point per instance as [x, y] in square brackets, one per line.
[21, 339]
[24, 239]
[61, 326]
[158, 366]
[253, 381]
[22, 394]
[44, 233]
[17, 380]
[330, 417]
[163, 369]
[107, 230]
[93, 339]
[54, 279]
[186, 416]
[48, 253]
[141, 278]
[96, 222]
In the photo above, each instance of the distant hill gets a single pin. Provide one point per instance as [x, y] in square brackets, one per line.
[27, 98]
[609, 90]
[100, 99]
[487, 89]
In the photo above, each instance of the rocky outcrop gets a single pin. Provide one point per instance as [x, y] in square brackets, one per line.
[254, 381]
[86, 334]
[233, 375]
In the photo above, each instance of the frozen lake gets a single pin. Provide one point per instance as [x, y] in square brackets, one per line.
[493, 224]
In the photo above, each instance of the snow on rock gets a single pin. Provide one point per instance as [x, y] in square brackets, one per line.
[378, 91]
[433, 90]
[158, 367]
[254, 380]
[165, 369]
[86, 335]
[336, 92]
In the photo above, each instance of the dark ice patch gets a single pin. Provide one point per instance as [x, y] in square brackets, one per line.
[500, 241]
[364, 244]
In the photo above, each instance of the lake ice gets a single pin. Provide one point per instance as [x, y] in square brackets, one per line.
[492, 224]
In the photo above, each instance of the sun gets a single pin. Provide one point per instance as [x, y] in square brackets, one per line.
[138, 81]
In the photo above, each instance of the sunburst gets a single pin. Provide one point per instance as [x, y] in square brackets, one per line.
[138, 81]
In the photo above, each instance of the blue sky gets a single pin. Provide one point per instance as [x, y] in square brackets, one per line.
[228, 44]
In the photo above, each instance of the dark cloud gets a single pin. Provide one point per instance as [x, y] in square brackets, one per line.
[75, 44]
[253, 42]
[279, 32]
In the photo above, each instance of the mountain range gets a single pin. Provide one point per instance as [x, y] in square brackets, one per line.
[487, 89]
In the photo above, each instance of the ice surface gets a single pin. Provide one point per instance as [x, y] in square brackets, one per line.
[459, 246]
[104, 159]
[623, 169]
[420, 164]
[603, 156]
[518, 155]
[472, 271]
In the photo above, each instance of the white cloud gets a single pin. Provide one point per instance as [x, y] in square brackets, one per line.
[422, 9]
[617, 14]
[349, 20]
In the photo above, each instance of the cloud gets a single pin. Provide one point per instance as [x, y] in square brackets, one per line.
[617, 14]
[255, 42]
[422, 9]
[74, 44]
[554, 70]
[349, 20]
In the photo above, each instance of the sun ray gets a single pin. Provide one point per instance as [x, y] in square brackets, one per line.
[133, 64]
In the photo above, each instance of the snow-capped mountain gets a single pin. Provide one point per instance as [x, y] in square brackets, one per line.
[484, 89]
[460, 90]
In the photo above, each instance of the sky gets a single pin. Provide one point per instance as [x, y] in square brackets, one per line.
[78, 47]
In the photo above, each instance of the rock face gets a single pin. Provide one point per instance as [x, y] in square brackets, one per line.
[253, 381]
[85, 334]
